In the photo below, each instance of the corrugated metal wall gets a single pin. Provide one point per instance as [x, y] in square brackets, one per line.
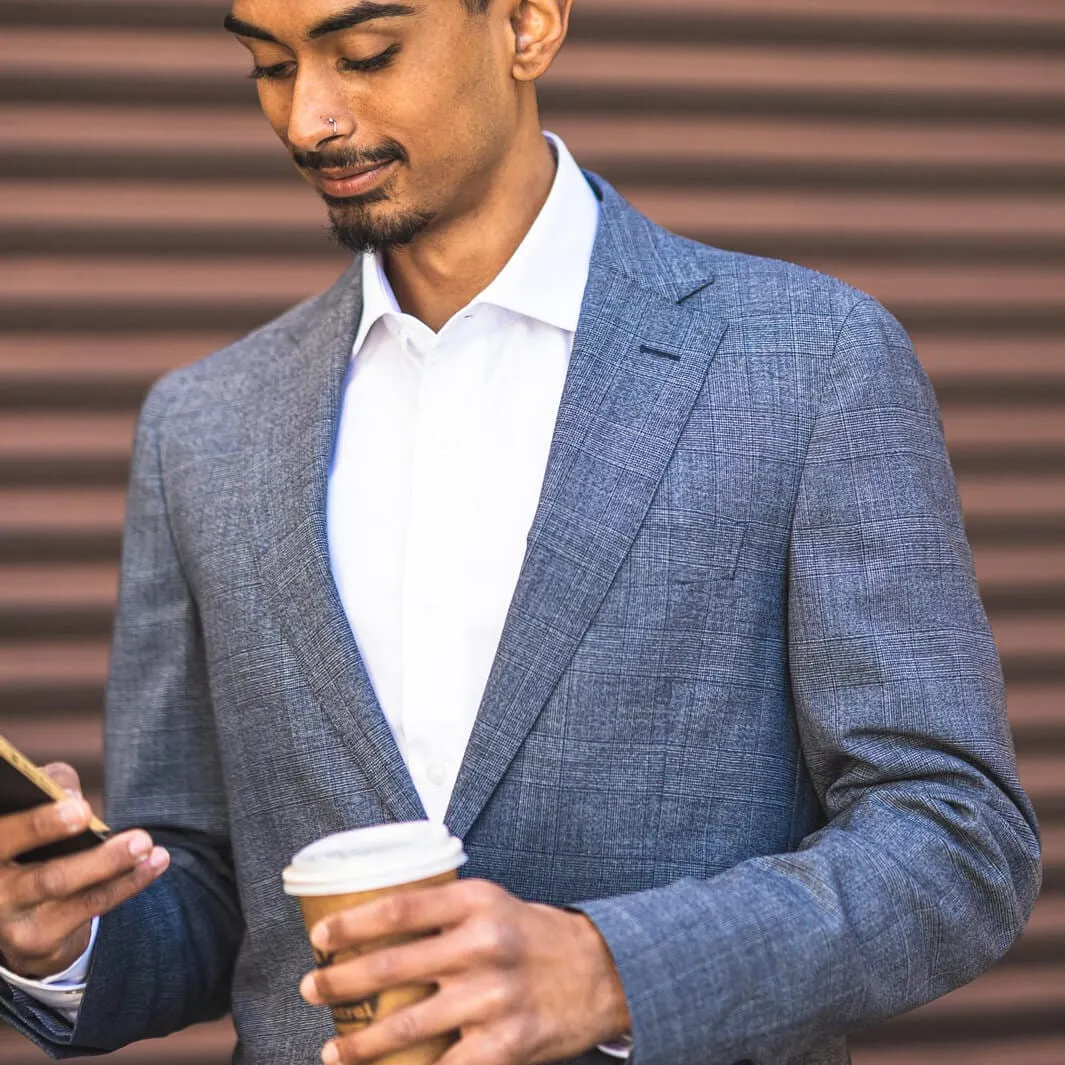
[913, 147]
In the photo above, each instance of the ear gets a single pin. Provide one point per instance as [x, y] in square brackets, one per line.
[539, 28]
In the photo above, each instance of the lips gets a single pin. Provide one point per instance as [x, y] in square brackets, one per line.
[353, 181]
[342, 175]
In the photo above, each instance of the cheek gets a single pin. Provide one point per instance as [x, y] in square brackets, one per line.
[276, 104]
[478, 109]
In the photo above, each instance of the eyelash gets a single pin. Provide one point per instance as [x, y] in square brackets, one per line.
[351, 66]
[375, 62]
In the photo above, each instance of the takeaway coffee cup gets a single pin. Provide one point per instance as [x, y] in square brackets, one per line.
[351, 868]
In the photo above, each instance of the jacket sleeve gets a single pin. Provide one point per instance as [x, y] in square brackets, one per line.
[164, 959]
[928, 865]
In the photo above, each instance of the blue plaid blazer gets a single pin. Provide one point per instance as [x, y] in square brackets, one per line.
[746, 712]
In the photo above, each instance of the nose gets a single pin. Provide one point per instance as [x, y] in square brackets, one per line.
[315, 116]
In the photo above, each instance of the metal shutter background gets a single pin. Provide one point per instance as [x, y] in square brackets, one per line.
[913, 147]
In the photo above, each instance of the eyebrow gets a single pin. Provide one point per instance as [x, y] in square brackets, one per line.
[365, 11]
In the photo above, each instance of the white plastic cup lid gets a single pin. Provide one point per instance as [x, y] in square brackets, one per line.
[368, 859]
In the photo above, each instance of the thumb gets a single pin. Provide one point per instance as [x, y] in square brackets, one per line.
[66, 776]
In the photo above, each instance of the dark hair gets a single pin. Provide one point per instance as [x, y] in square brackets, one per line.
[476, 7]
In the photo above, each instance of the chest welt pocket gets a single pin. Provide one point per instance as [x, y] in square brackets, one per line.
[700, 547]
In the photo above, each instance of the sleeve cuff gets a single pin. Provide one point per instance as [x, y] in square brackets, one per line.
[619, 1048]
[62, 992]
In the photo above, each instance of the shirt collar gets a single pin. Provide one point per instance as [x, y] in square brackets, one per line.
[546, 276]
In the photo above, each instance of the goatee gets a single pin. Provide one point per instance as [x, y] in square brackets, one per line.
[355, 225]
[355, 228]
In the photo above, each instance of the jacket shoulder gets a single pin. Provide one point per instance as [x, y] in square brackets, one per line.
[753, 286]
[226, 373]
[725, 283]
[788, 306]
[257, 364]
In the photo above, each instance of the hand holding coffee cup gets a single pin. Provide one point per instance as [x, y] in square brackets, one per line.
[351, 869]
[522, 982]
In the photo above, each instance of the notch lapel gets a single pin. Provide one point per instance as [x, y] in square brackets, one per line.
[639, 361]
[292, 447]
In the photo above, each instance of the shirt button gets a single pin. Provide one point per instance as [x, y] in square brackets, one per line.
[437, 774]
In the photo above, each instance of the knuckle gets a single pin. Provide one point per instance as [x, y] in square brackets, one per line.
[482, 894]
[24, 938]
[516, 1039]
[487, 939]
[505, 1044]
[498, 998]
[101, 899]
[406, 1026]
[394, 910]
[48, 881]
[384, 967]
[42, 825]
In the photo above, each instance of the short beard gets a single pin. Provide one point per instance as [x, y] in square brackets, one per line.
[354, 226]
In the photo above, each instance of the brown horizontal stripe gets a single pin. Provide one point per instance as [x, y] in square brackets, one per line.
[84, 436]
[754, 140]
[59, 356]
[187, 55]
[89, 435]
[736, 214]
[1044, 1050]
[57, 665]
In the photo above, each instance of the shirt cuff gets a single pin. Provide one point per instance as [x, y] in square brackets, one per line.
[621, 1048]
[64, 991]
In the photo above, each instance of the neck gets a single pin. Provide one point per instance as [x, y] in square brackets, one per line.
[441, 272]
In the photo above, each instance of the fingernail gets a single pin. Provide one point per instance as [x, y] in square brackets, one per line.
[320, 937]
[72, 813]
[140, 847]
[330, 1054]
[159, 859]
[309, 988]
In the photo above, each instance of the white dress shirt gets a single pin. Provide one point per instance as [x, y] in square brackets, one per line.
[440, 457]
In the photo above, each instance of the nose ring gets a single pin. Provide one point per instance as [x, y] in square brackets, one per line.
[333, 123]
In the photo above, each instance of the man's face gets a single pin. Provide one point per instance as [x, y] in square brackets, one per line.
[422, 92]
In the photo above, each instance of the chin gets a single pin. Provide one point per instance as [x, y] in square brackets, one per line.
[360, 231]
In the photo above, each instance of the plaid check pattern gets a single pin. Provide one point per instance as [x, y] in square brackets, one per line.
[746, 712]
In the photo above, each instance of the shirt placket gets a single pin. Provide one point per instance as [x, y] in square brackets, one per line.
[432, 662]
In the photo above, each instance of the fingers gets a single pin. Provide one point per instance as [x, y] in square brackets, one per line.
[102, 897]
[48, 823]
[66, 776]
[522, 983]
[64, 878]
[407, 913]
[469, 1005]
[413, 963]
[60, 897]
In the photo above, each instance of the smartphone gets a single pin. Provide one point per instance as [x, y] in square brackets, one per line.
[24, 786]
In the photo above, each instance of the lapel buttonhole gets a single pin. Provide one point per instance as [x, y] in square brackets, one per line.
[672, 356]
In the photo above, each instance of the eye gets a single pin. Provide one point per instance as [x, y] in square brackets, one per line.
[375, 62]
[272, 73]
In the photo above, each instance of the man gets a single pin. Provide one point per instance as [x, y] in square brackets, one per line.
[637, 562]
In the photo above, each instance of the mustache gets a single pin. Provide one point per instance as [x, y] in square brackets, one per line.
[351, 158]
